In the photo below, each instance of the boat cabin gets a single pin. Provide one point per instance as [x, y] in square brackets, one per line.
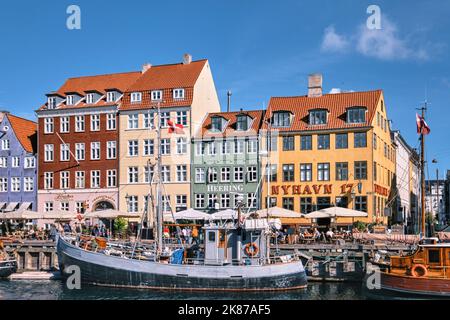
[229, 244]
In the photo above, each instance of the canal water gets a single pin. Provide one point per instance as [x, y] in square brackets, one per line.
[56, 290]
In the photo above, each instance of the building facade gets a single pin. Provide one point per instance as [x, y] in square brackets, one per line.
[18, 147]
[78, 144]
[435, 199]
[226, 162]
[330, 150]
[184, 93]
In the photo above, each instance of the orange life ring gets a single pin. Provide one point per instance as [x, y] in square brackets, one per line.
[251, 249]
[422, 273]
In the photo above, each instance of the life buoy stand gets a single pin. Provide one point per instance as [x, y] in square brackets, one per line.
[251, 249]
[419, 270]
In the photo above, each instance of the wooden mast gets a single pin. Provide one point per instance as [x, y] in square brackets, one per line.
[422, 174]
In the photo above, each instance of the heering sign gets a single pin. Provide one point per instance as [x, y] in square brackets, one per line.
[226, 188]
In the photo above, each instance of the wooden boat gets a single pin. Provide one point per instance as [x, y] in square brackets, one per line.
[8, 265]
[424, 272]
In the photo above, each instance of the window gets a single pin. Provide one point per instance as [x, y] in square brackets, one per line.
[225, 174]
[281, 119]
[323, 141]
[251, 200]
[133, 121]
[252, 146]
[5, 144]
[178, 93]
[149, 147]
[200, 200]
[323, 171]
[30, 162]
[317, 117]
[65, 152]
[64, 125]
[342, 202]
[148, 174]
[133, 174]
[252, 174]
[48, 180]
[3, 162]
[111, 121]
[15, 162]
[156, 95]
[149, 120]
[90, 98]
[95, 122]
[375, 171]
[95, 150]
[360, 139]
[341, 141]
[288, 203]
[306, 205]
[69, 100]
[110, 96]
[181, 173]
[133, 148]
[80, 179]
[288, 172]
[48, 125]
[48, 152]
[48, 206]
[288, 143]
[212, 199]
[165, 117]
[132, 203]
[95, 179]
[375, 140]
[217, 124]
[356, 115]
[212, 175]
[51, 101]
[199, 175]
[79, 207]
[239, 146]
[361, 170]
[211, 148]
[242, 123]
[64, 180]
[80, 153]
[361, 203]
[272, 172]
[79, 123]
[182, 118]
[434, 256]
[305, 172]
[3, 184]
[64, 206]
[341, 171]
[238, 174]
[181, 145]
[378, 118]
[181, 201]
[165, 146]
[225, 200]
[165, 173]
[111, 150]
[306, 143]
[227, 147]
[15, 184]
[136, 97]
[323, 202]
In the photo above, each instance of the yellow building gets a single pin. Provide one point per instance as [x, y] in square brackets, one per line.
[327, 150]
[185, 93]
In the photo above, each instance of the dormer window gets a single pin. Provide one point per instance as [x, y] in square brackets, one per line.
[156, 95]
[317, 117]
[242, 123]
[281, 119]
[90, 98]
[51, 102]
[217, 124]
[111, 96]
[356, 115]
[69, 100]
[136, 97]
[178, 93]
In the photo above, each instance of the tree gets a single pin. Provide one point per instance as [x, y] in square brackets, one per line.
[120, 226]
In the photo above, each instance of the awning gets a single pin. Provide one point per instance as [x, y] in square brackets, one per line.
[191, 214]
[20, 215]
[227, 214]
[11, 206]
[2, 205]
[336, 212]
[111, 214]
[276, 212]
[24, 206]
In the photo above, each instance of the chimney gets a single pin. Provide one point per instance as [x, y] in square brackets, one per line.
[187, 58]
[146, 67]
[229, 101]
[315, 85]
[2, 114]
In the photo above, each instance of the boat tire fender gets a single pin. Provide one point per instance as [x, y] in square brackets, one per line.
[251, 249]
[419, 270]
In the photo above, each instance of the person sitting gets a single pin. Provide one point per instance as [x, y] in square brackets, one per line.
[316, 235]
[329, 235]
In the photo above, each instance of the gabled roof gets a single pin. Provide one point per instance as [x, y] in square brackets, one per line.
[166, 78]
[25, 131]
[336, 104]
[230, 128]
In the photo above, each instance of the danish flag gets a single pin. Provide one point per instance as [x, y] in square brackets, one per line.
[175, 128]
[422, 127]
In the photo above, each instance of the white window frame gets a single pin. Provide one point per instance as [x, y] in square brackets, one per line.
[111, 150]
[148, 145]
[133, 121]
[69, 100]
[29, 163]
[49, 152]
[80, 179]
[64, 152]
[182, 173]
[136, 97]
[200, 175]
[15, 162]
[157, 95]
[48, 180]
[3, 184]
[64, 180]
[89, 98]
[111, 121]
[178, 93]
[80, 151]
[15, 184]
[181, 145]
[95, 122]
[133, 148]
[49, 125]
[133, 175]
[5, 144]
[111, 96]
[94, 147]
[95, 174]
[111, 176]
[80, 124]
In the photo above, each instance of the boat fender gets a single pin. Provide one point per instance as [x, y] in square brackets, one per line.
[251, 249]
[423, 272]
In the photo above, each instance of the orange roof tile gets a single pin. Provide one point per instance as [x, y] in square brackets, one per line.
[336, 104]
[25, 131]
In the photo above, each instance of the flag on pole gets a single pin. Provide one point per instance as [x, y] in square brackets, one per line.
[175, 128]
[422, 126]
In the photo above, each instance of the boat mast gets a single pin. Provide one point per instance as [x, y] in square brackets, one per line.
[422, 173]
[159, 217]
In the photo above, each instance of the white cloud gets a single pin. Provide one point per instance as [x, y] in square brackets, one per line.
[333, 42]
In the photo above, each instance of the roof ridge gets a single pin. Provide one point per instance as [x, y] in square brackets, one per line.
[22, 118]
[239, 111]
[176, 64]
[102, 75]
[328, 94]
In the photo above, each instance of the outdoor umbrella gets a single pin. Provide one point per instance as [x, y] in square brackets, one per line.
[277, 212]
[227, 214]
[20, 215]
[191, 214]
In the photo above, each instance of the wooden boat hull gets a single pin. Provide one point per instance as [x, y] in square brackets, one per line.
[412, 285]
[7, 268]
[102, 270]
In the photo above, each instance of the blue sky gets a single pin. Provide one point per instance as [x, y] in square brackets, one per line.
[258, 49]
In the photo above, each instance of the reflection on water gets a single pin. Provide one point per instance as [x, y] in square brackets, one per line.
[55, 290]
